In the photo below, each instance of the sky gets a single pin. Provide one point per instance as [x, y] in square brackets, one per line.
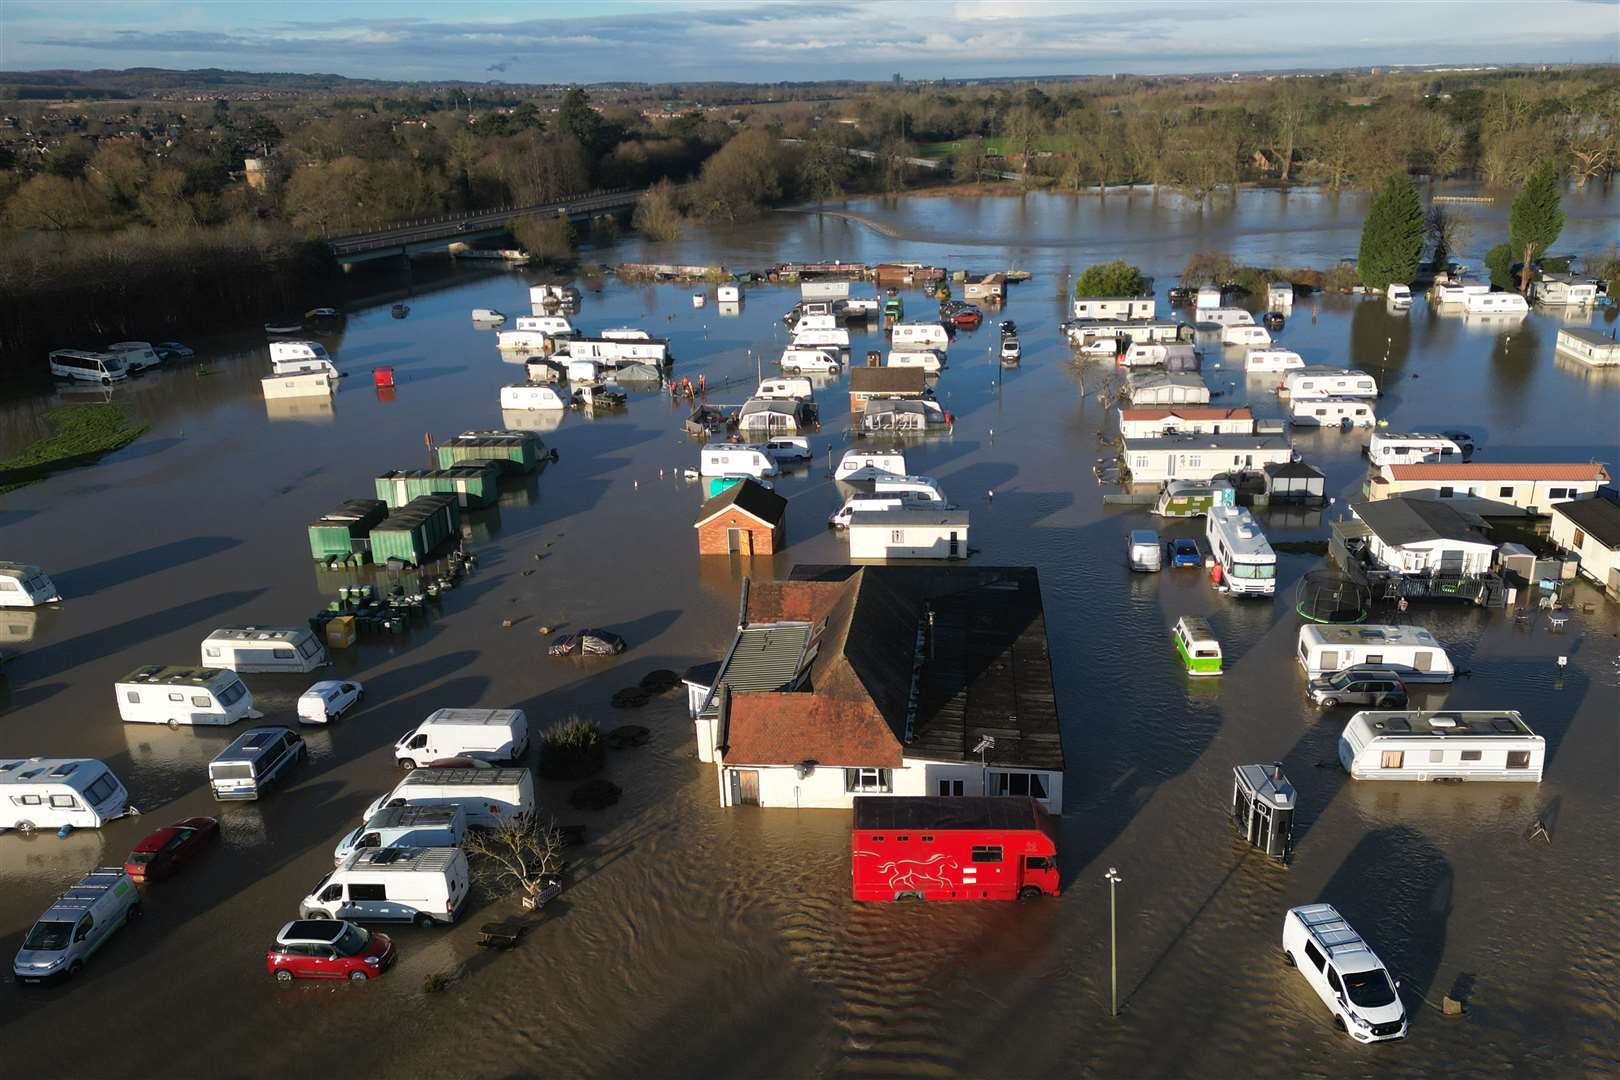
[789, 40]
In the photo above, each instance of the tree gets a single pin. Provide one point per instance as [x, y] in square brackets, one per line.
[826, 164]
[969, 157]
[1117, 278]
[1392, 235]
[1449, 234]
[743, 176]
[1536, 220]
[576, 117]
[1499, 261]
[53, 202]
[1288, 114]
[658, 215]
[1021, 135]
[519, 855]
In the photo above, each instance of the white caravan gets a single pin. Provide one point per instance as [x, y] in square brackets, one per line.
[1248, 565]
[817, 361]
[1510, 303]
[585, 371]
[871, 501]
[1410, 651]
[488, 796]
[618, 351]
[528, 341]
[532, 396]
[1319, 381]
[264, 648]
[792, 389]
[1249, 336]
[1178, 355]
[1272, 361]
[917, 488]
[1332, 412]
[823, 321]
[920, 334]
[136, 355]
[1280, 295]
[393, 884]
[77, 923]
[869, 465]
[494, 735]
[930, 360]
[406, 826]
[625, 333]
[1226, 316]
[1443, 746]
[1209, 298]
[1345, 973]
[298, 357]
[550, 325]
[1456, 292]
[180, 695]
[25, 585]
[821, 339]
[48, 793]
[1408, 448]
[735, 459]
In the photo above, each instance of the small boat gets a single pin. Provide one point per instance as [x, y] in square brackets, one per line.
[1018, 275]
[279, 328]
[399, 311]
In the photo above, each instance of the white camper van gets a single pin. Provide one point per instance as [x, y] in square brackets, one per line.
[1400, 297]
[264, 649]
[818, 321]
[526, 341]
[298, 357]
[1248, 565]
[486, 734]
[1444, 746]
[868, 465]
[77, 923]
[179, 695]
[917, 488]
[1226, 316]
[868, 502]
[930, 360]
[1331, 412]
[625, 333]
[487, 315]
[821, 339]
[1319, 381]
[1410, 651]
[137, 355]
[423, 886]
[736, 459]
[1249, 336]
[48, 793]
[532, 396]
[406, 826]
[25, 585]
[1344, 972]
[1408, 448]
[817, 361]
[1272, 361]
[920, 334]
[487, 796]
[87, 366]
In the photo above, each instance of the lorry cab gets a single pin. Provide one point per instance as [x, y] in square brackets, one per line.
[1345, 973]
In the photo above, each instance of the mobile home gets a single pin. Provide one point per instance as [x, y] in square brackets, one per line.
[1201, 457]
[792, 388]
[1319, 381]
[912, 531]
[870, 464]
[1564, 290]
[1449, 746]
[264, 648]
[618, 351]
[297, 357]
[1248, 565]
[25, 585]
[532, 396]
[920, 414]
[553, 326]
[1196, 419]
[625, 333]
[48, 793]
[1411, 651]
[1172, 356]
[306, 384]
[1330, 412]
[1272, 361]
[526, 341]
[178, 695]
[1115, 307]
[1590, 346]
[735, 459]
[1508, 303]
[1456, 292]
[87, 366]
[488, 796]
[1248, 336]
[919, 334]
[930, 360]
[1402, 447]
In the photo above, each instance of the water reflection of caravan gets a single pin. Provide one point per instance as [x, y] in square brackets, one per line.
[532, 420]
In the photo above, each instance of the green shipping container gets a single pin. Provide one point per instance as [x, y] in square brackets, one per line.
[514, 451]
[473, 484]
[417, 529]
[343, 531]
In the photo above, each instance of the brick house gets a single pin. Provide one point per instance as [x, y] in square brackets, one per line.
[744, 519]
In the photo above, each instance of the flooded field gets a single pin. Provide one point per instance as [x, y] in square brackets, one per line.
[696, 942]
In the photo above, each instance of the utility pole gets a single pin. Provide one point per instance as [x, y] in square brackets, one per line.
[1113, 880]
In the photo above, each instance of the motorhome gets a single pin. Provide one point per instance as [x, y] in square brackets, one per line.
[1412, 652]
[1226, 316]
[423, 886]
[264, 649]
[87, 366]
[488, 796]
[1248, 336]
[179, 695]
[494, 735]
[1333, 412]
[1319, 381]
[1564, 290]
[1443, 746]
[253, 761]
[137, 355]
[532, 396]
[525, 341]
[923, 335]
[1508, 303]
[917, 488]
[869, 502]
[1272, 361]
[1404, 448]
[1400, 297]
[77, 923]
[298, 357]
[790, 389]
[735, 459]
[818, 361]
[1247, 563]
[869, 465]
[1344, 972]
[405, 826]
[1144, 551]
[821, 339]
[930, 360]
[48, 793]
[812, 318]
[25, 585]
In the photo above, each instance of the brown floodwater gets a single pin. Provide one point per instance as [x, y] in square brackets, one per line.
[696, 942]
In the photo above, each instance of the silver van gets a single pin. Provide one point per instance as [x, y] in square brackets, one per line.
[79, 922]
[257, 758]
[1145, 550]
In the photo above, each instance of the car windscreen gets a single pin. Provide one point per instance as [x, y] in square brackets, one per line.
[231, 770]
[141, 858]
[354, 940]
[1369, 989]
[49, 936]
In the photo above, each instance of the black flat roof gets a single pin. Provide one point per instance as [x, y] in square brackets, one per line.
[945, 813]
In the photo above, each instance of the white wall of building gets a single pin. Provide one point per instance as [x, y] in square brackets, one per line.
[1488, 496]
[1426, 556]
[881, 541]
[1600, 563]
[825, 787]
[1151, 466]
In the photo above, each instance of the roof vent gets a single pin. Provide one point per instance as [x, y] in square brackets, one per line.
[1442, 723]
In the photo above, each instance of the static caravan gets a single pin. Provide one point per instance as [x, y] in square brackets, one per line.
[1209, 298]
[821, 339]
[1343, 413]
[930, 360]
[395, 884]
[1507, 303]
[1272, 361]
[488, 796]
[823, 290]
[178, 695]
[24, 585]
[87, 366]
[1590, 346]
[1319, 381]
[1411, 651]
[308, 384]
[531, 396]
[1564, 290]
[298, 357]
[870, 464]
[528, 341]
[1248, 565]
[554, 326]
[1447, 746]
[1226, 316]
[264, 648]
[584, 371]
[1249, 336]
[1404, 448]
[1115, 307]
[48, 793]
[921, 335]
[735, 459]
[625, 333]
[1279, 295]
[909, 532]
[619, 351]
[1456, 292]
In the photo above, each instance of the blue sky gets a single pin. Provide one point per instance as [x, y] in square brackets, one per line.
[750, 41]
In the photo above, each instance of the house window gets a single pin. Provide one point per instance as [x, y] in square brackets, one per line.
[1194, 460]
[1011, 783]
[1561, 493]
[949, 788]
[1472, 755]
[1505, 491]
[1580, 539]
[986, 853]
[897, 536]
[1140, 461]
[1392, 759]
[867, 781]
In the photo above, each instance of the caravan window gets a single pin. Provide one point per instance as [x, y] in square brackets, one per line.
[7, 585]
[64, 802]
[211, 650]
[202, 701]
[28, 800]
[177, 697]
[1436, 756]
[232, 693]
[100, 789]
[309, 648]
[1473, 755]
[1392, 759]
[134, 698]
[367, 892]
[1518, 759]
[283, 654]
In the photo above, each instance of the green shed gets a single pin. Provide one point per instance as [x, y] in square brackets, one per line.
[514, 451]
[344, 531]
[474, 484]
[416, 529]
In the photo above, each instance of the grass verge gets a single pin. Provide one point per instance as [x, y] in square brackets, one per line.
[80, 435]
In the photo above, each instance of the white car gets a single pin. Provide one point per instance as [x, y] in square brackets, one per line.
[1345, 973]
[327, 700]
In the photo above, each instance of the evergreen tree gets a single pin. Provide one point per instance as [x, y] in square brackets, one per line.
[1536, 220]
[1392, 236]
[1499, 261]
[1115, 278]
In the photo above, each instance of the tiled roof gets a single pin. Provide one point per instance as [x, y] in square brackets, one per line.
[1480, 470]
[755, 500]
[1187, 412]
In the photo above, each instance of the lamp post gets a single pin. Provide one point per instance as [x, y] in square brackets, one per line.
[1113, 879]
[986, 742]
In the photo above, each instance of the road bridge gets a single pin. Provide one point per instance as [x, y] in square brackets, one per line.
[439, 233]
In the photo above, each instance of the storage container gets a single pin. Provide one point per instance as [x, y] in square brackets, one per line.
[340, 632]
[473, 483]
[515, 451]
[343, 532]
[416, 529]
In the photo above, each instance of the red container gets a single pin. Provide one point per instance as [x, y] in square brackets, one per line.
[382, 376]
[952, 848]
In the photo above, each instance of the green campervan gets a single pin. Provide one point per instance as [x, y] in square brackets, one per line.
[1196, 645]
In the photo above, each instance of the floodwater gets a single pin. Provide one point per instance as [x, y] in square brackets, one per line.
[696, 942]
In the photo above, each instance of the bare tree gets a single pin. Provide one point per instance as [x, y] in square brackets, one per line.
[1288, 113]
[521, 855]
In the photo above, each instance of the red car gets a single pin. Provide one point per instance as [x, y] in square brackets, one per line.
[164, 852]
[967, 318]
[328, 949]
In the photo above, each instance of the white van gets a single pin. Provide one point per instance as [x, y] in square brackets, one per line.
[1245, 335]
[921, 334]
[1400, 297]
[1345, 973]
[406, 826]
[487, 315]
[788, 448]
[264, 648]
[298, 357]
[821, 361]
[25, 585]
[1442, 746]
[255, 759]
[929, 360]
[1318, 381]
[532, 396]
[1209, 298]
[1410, 651]
[136, 355]
[488, 796]
[821, 339]
[1405, 448]
[529, 341]
[178, 695]
[1272, 361]
[1144, 550]
[794, 389]
[1331, 412]
[1226, 316]
[392, 884]
[87, 366]
[485, 734]
[48, 793]
[735, 459]
[77, 923]
[869, 465]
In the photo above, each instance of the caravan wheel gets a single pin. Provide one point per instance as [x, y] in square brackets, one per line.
[174, 725]
[24, 827]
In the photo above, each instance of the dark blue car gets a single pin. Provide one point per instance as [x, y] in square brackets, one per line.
[1185, 553]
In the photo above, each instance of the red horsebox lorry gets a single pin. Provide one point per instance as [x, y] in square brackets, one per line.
[925, 848]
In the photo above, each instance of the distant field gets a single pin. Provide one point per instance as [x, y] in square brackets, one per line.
[994, 146]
